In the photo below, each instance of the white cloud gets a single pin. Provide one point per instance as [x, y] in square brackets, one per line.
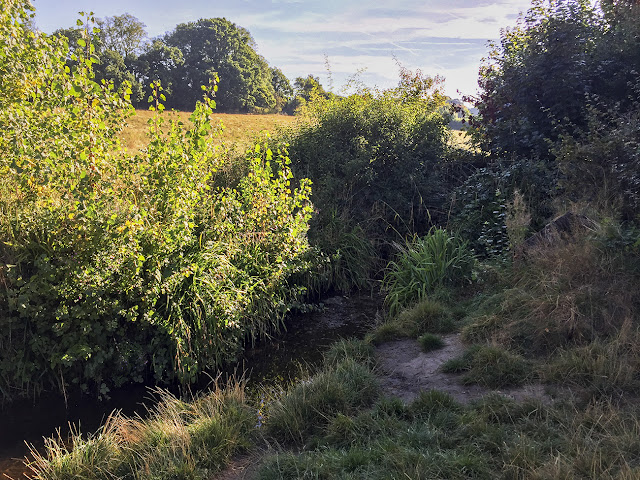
[438, 36]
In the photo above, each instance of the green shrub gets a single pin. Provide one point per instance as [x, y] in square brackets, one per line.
[374, 161]
[424, 266]
[480, 205]
[120, 267]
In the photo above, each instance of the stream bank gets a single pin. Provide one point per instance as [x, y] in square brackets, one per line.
[280, 359]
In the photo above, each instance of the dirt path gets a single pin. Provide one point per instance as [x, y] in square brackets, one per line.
[405, 371]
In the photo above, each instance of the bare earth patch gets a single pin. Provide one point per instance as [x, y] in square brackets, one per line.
[241, 468]
[405, 370]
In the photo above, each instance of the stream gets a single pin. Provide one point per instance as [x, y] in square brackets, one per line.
[281, 360]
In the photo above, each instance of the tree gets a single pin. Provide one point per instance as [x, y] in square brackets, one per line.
[112, 66]
[281, 88]
[305, 90]
[217, 46]
[561, 90]
[535, 82]
[124, 34]
[159, 62]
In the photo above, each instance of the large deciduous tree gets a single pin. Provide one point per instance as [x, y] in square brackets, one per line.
[563, 89]
[217, 46]
[124, 34]
[117, 43]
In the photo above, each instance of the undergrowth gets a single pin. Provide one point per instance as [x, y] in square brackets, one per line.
[571, 307]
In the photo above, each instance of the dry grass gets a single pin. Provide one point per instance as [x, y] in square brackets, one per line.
[569, 294]
[239, 130]
[460, 139]
[177, 440]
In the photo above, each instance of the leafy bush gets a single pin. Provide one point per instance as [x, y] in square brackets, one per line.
[480, 206]
[425, 265]
[120, 267]
[602, 162]
[373, 158]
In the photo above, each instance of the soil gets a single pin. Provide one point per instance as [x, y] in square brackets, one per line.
[405, 370]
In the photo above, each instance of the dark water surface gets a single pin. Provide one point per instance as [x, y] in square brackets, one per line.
[280, 360]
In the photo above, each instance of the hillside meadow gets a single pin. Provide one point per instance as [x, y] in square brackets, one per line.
[238, 130]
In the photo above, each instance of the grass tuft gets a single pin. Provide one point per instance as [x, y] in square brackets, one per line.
[358, 350]
[178, 440]
[429, 342]
[308, 406]
[490, 366]
[428, 316]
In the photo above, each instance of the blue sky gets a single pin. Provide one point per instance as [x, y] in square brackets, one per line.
[444, 37]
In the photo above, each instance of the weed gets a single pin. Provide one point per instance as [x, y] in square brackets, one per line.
[517, 220]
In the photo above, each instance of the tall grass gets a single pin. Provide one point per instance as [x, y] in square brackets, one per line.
[178, 440]
[425, 265]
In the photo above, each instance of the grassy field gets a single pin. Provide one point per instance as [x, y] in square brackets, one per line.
[239, 129]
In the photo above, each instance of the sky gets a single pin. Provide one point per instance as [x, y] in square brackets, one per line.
[347, 38]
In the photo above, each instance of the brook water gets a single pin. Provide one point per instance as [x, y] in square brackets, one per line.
[279, 360]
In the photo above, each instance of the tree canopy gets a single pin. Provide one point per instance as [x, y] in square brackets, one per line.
[217, 46]
[124, 34]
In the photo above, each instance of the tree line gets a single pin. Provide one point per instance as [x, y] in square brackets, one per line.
[188, 57]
